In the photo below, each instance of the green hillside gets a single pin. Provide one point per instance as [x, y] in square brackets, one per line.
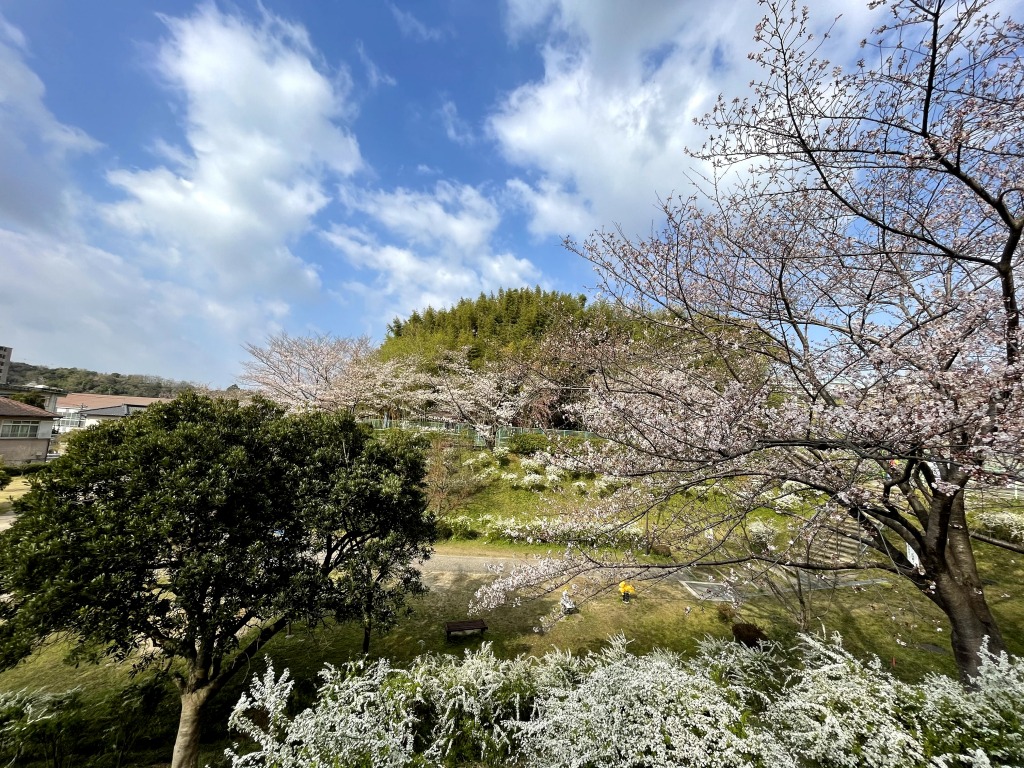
[491, 325]
[81, 380]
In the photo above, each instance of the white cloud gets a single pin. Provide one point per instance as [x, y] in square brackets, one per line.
[374, 74]
[34, 145]
[69, 304]
[553, 209]
[455, 218]
[413, 28]
[437, 248]
[263, 135]
[455, 128]
[603, 134]
[203, 260]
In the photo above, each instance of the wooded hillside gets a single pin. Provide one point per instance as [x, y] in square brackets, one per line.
[81, 380]
[490, 325]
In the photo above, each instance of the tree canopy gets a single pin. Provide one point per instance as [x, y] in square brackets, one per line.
[490, 326]
[189, 535]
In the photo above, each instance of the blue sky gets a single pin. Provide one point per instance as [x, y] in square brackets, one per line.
[179, 178]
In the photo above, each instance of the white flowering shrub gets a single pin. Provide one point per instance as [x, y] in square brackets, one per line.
[645, 711]
[363, 717]
[531, 481]
[988, 720]
[838, 712]
[473, 705]
[562, 530]
[728, 707]
[531, 465]
[1002, 524]
[762, 535]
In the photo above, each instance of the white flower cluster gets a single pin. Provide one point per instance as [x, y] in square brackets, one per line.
[562, 530]
[531, 481]
[762, 535]
[728, 707]
[1003, 524]
[554, 530]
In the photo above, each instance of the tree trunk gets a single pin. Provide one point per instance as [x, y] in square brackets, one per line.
[186, 744]
[970, 619]
[366, 637]
[959, 593]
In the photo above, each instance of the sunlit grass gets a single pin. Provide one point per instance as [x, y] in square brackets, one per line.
[13, 492]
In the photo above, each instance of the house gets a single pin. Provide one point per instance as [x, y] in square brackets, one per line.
[25, 432]
[92, 416]
[77, 410]
[49, 395]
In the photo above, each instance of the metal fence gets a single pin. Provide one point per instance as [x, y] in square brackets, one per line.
[467, 432]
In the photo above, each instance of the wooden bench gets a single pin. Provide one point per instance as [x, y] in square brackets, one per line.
[469, 625]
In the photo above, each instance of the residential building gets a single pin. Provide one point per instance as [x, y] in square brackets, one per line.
[77, 410]
[50, 395]
[25, 432]
[5, 363]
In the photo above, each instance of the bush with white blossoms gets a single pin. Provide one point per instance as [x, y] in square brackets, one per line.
[728, 707]
[561, 530]
[531, 481]
[1002, 524]
[531, 465]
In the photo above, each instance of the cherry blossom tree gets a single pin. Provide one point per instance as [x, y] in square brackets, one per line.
[489, 398]
[334, 373]
[308, 372]
[849, 260]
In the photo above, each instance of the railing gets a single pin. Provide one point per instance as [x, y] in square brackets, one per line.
[469, 433]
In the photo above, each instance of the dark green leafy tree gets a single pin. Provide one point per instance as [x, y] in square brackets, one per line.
[190, 535]
[381, 579]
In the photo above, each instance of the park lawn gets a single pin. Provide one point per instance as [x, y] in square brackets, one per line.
[869, 619]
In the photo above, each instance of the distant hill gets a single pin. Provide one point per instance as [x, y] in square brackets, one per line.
[81, 380]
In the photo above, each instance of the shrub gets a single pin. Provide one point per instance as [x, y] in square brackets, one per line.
[728, 707]
[26, 469]
[726, 612]
[37, 726]
[528, 443]
[457, 527]
[1002, 524]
